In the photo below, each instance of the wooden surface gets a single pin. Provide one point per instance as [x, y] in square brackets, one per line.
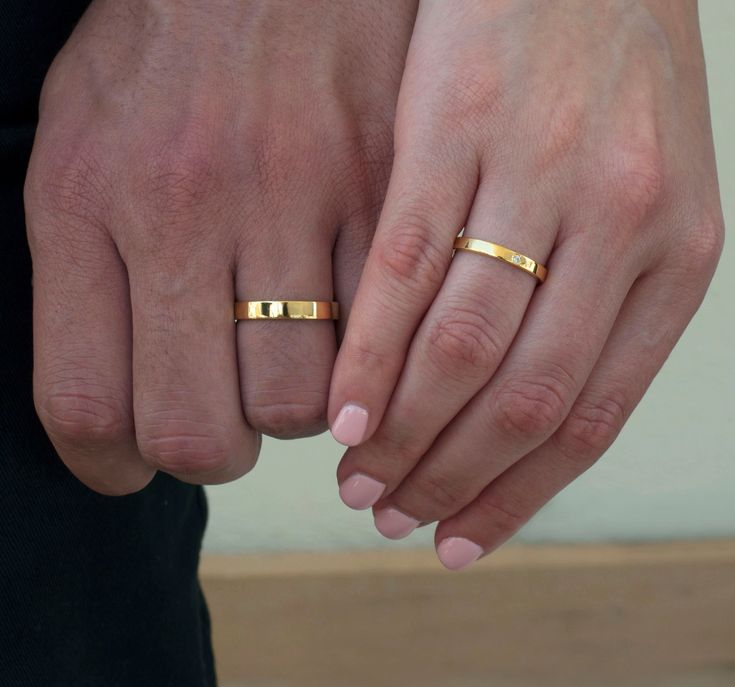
[658, 615]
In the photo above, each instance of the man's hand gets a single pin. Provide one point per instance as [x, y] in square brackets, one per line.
[576, 133]
[189, 155]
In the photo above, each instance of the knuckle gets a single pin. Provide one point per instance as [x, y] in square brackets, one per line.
[185, 447]
[635, 183]
[591, 427]
[278, 152]
[397, 443]
[472, 101]
[502, 517]
[409, 255]
[563, 130]
[69, 185]
[533, 406]
[362, 356]
[183, 173]
[439, 495]
[178, 183]
[289, 419]
[705, 242]
[465, 342]
[271, 158]
[285, 394]
[695, 253]
[80, 419]
[363, 164]
[281, 157]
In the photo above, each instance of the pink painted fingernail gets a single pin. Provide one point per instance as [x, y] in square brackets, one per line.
[350, 426]
[359, 491]
[393, 524]
[458, 553]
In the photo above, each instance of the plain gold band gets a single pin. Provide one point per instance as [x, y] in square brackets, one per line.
[286, 310]
[495, 250]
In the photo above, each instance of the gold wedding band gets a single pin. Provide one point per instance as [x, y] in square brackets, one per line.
[495, 250]
[286, 310]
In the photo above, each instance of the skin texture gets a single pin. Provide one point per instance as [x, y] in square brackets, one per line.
[578, 134]
[190, 154]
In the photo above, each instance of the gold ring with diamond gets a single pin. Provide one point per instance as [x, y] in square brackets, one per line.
[495, 250]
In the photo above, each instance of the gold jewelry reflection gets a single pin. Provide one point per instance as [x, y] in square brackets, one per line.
[286, 310]
[495, 250]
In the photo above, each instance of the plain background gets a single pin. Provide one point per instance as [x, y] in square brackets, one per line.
[670, 474]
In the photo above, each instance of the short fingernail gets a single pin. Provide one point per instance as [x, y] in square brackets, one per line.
[359, 491]
[350, 426]
[393, 524]
[458, 553]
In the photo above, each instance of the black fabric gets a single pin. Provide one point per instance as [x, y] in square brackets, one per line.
[94, 590]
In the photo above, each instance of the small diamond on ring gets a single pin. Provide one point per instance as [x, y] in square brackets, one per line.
[516, 259]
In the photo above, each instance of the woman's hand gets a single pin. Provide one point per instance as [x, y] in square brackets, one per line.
[190, 154]
[575, 133]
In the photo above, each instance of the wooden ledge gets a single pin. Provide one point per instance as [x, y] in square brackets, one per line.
[645, 615]
[411, 561]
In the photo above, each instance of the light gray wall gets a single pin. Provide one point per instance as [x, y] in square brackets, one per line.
[670, 474]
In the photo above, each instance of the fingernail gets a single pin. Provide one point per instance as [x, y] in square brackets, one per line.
[458, 553]
[359, 491]
[393, 524]
[350, 425]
